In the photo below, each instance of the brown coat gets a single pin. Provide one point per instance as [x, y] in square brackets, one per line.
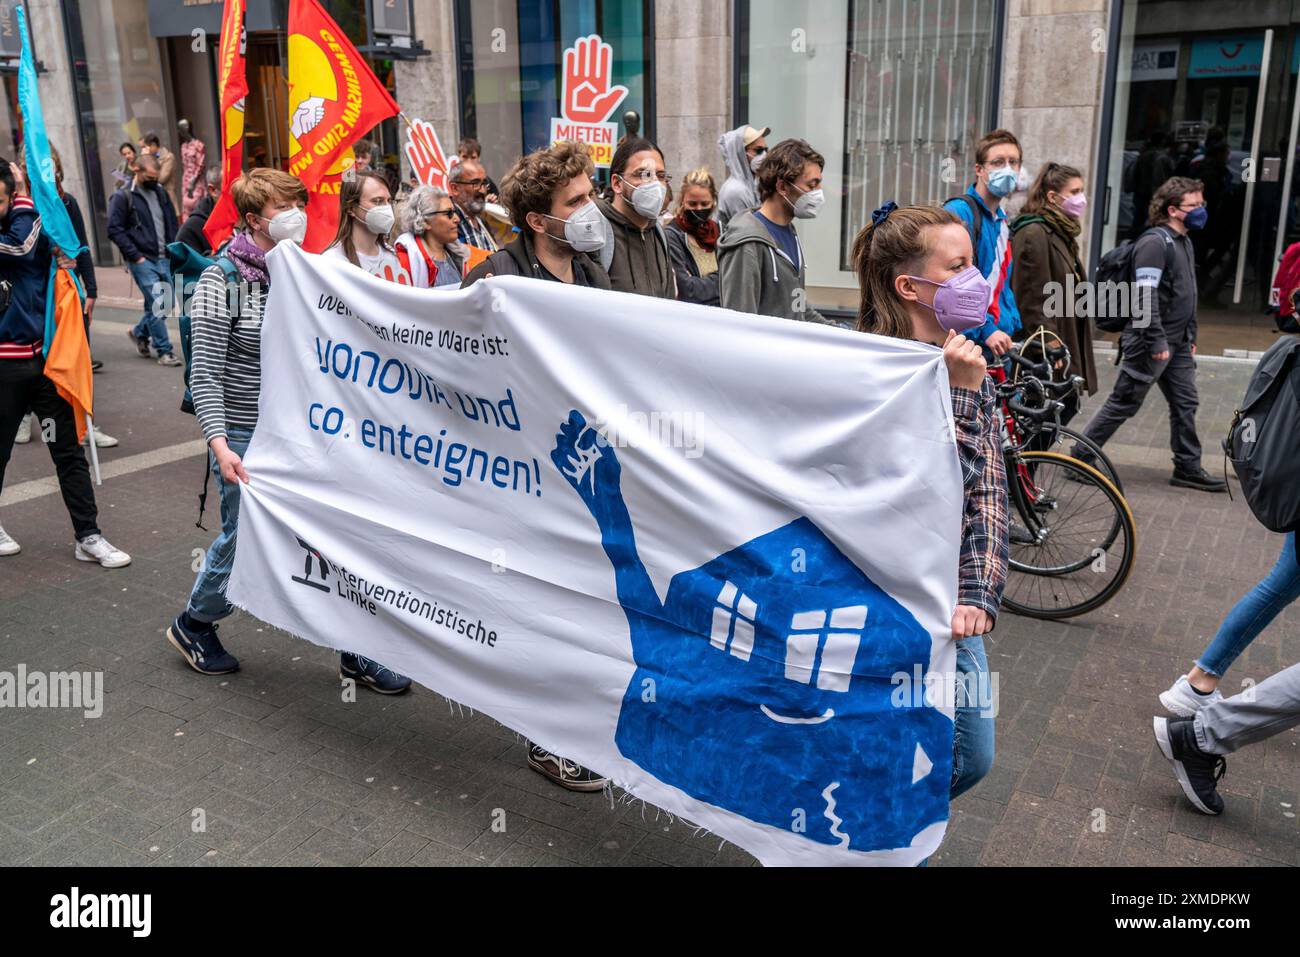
[1040, 257]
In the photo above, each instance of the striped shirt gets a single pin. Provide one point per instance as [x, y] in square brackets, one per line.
[226, 351]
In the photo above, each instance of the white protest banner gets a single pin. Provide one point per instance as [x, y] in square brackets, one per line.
[712, 556]
[588, 98]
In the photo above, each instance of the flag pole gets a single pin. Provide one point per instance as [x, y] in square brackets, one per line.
[94, 452]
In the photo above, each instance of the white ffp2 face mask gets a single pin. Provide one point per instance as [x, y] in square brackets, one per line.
[648, 199]
[807, 205]
[379, 219]
[288, 225]
[584, 231]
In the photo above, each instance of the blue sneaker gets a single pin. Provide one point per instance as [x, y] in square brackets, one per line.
[201, 648]
[371, 674]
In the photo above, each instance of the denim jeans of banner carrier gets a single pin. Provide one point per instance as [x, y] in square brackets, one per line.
[972, 745]
[208, 599]
[1253, 613]
[154, 277]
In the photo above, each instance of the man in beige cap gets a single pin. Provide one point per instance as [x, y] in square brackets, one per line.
[742, 151]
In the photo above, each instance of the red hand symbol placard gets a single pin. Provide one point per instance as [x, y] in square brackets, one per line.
[587, 96]
[426, 156]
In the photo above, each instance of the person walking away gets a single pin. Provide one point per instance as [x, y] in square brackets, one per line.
[907, 305]
[168, 178]
[693, 239]
[25, 260]
[997, 170]
[1045, 249]
[743, 150]
[551, 198]
[1158, 345]
[761, 265]
[366, 220]
[141, 222]
[427, 248]
[468, 184]
[193, 161]
[638, 259]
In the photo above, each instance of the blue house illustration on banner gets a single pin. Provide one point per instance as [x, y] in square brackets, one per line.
[763, 681]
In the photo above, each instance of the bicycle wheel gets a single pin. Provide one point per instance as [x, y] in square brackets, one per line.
[1066, 437]
[1084, 537]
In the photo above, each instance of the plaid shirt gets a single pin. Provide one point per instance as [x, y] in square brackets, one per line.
[982, 570]
[474, 232]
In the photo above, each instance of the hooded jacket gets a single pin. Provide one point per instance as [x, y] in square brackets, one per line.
[520, 259]
[754, 275]
[25, 263]
[637, 260]
[740, 191]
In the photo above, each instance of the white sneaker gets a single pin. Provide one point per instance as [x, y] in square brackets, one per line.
[96, 548]
[7, 545]
[102, 439]
[24, 431]
[1184, 700]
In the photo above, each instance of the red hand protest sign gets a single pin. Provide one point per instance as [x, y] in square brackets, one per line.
[588, 98]
[428, 161]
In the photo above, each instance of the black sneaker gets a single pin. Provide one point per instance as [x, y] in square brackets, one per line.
[371, 674]
[141, 345]
[563, 772]
[1198, 478]
[201, 648]
[1197, 771]
[96, 365]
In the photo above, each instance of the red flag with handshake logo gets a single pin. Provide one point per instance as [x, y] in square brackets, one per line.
[588, 98]
[334, 96]
[232, 84]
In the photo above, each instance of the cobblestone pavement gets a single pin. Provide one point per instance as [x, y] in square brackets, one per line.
[282, 772]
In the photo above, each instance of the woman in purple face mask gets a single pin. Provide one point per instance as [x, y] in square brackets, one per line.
[1045, 249]
[918, 282]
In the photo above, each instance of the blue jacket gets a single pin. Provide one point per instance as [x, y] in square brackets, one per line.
[25, 263]
[993, 257]
[130, 223]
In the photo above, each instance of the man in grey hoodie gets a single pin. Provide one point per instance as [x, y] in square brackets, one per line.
[742, 152]
[761, 265]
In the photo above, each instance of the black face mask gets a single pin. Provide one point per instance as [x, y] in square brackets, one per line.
[698, 217]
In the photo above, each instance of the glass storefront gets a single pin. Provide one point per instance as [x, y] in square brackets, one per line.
[1214, 98]
[893, 94]
[510, 56]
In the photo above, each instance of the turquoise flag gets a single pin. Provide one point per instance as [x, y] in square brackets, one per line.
[40, 172]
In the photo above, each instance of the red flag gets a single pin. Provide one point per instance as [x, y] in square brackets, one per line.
[334, 96]
[232, 84]
[323, 211]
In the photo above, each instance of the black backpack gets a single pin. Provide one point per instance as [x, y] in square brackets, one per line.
[1116, 266]
[1263, 441]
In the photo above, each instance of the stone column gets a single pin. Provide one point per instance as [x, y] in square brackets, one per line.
[693, 80]
[427, 87]
[1053, 69]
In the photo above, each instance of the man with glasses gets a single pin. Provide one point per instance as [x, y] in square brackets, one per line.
[637, 258]
[997, 170]
[1158, 346]
[468, 184]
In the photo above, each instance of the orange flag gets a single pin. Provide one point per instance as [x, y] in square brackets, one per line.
[68, 363]
[334, 96]
[232, 83]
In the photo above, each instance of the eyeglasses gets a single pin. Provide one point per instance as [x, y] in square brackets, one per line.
[1002, 164]
[471, 183]
[645, 176]
[449, 213]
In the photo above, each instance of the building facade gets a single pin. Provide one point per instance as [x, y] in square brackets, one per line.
[894, 93]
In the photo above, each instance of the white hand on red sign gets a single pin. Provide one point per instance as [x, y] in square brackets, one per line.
[587, 96]
[426, 156]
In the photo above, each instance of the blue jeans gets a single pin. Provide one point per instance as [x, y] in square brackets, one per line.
[1253, 613]
[208, 599]
[972, 743]
[154, 277]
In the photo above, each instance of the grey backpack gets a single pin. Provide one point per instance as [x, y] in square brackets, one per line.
[1264, 439]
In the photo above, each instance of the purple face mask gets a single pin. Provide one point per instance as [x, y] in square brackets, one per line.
[961, 302]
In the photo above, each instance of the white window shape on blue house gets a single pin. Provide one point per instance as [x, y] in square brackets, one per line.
[733, 622]
[838, 646]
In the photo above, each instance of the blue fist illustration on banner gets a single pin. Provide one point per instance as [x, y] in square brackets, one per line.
[766, 680]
